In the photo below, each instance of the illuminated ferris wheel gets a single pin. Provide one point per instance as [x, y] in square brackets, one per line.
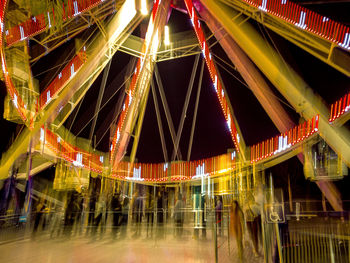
[32, 31]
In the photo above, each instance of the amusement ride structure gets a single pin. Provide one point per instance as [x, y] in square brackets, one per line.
[105, 27]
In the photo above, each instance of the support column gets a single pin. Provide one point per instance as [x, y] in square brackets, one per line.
[249, 73]
[29, 185]
[288, 82]
[332, 194]
[119, 29]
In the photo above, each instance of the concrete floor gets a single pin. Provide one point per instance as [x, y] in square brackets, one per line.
[130, 249]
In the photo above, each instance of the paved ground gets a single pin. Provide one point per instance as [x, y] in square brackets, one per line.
[130, 249]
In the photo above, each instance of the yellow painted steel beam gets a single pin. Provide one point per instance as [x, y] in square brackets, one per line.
[72, 27]
[341, 120]
[296, 92]
[152, 42]
[250, 74]
[99, 24]
[75, 99]
[124, 19]
[332, 194]
[182, 44]
[311, 43]
[288, 82]
[330, 55]
[139, 125]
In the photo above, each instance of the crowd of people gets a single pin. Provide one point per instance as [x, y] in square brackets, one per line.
[92, 214]
[145, 214]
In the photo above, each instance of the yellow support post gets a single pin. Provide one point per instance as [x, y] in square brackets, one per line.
[287, 81]
[116, 28]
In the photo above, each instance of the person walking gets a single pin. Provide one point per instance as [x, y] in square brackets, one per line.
[218, 213]
[91, 216]
[236, 227]
[160, 213]
[117, 213]
[179, 215]
[100, 209]
[253, 220]
[150, 214]
[125, 217]
[138, 213]
[40, 210]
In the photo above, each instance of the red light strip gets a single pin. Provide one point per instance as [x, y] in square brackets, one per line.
[28, 28]
[179, 171]
[155, 9]
[39, 23]
[340, 107]
[306, 19]
[213, 73]
[126, 106]
[70, 152]
[11, 90]
[149, 172]
[284, 141]
[62, 78]
[130, 93]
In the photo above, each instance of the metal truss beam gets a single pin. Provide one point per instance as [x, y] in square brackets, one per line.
[99, 98]
[291, 86]
[195, 111]
[112, 89]
[341, 120]
[54, 38]
[289, 83]
[125, 19]
[142, 86]
[166, 107]
[141, 116]
[250, 74]
[183, 44]
[266, 98]
[184, 110]
[159, 121]
[324, 50]
[79, 94]
[332, 194]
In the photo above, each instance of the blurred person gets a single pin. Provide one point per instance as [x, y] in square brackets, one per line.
[160, 211]
[91, 212]
[57, 219]
[150, 213]
[100, 209]
[166, 207]
[69, 216]
[132, 205]
[160, 208]
[179, 215]
[116, 207]
[218, 213]
[39, 211]
[125, 216]
[78, 210]
[205, 216]
[236, 227]
[253, 219]
[138, 213]
[104, 220]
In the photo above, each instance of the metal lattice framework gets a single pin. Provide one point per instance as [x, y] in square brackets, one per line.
[45, 113]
